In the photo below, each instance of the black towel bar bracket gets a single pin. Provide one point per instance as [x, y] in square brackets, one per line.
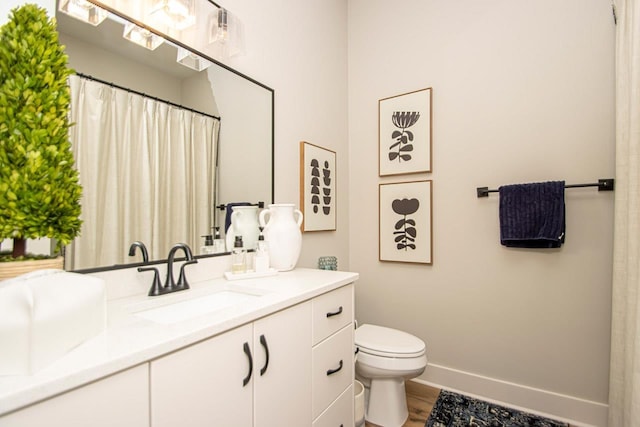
[607, 184]
[259, 204]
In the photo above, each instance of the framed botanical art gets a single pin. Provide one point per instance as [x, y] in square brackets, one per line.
[404, 133]
[317, 187]
[405, 222]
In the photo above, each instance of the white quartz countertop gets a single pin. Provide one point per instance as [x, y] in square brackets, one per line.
[130, 340]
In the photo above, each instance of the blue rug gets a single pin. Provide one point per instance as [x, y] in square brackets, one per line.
[456, 410]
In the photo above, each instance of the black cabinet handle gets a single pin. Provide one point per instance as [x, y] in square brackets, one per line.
[333, 371]
[247, 351]
[357, 350]
[335, 313]
[263, 341]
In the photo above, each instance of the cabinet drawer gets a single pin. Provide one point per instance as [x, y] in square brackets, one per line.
[332, 312]
[340, 413]
[332, 369]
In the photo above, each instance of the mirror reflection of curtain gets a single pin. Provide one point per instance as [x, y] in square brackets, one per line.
[147, 171]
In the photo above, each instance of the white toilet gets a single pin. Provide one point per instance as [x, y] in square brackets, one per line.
[386, 358]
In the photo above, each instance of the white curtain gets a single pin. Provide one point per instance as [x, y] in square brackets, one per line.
[147, 171]
[624, 384]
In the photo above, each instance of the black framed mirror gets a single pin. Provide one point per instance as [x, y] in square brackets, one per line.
[244, 169]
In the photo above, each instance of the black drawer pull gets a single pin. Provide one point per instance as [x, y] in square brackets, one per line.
[263, 341]
[247, 351]
[333, 371]
[335, 313]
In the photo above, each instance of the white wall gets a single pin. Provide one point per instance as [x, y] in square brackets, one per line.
[7, 5]
[522, 92]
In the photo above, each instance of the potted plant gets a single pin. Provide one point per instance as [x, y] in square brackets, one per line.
[39, 188]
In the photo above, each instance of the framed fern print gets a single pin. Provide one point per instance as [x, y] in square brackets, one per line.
[404, 133]
[317, 187]
[405, 222]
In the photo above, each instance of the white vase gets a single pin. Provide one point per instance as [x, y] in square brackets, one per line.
[244, 222]
[282, 233]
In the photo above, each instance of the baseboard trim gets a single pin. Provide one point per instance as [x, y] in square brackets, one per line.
[573, 410]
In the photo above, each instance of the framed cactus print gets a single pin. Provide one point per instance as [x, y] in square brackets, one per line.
[317, 187]
[405, 221]
[404, 133]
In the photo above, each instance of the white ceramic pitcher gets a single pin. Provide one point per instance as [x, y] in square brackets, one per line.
[282, 233]
[244, 222]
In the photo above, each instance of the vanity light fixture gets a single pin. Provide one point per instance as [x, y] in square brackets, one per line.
[177, 14]
[141, 36]
[83, 10]
[191, 60]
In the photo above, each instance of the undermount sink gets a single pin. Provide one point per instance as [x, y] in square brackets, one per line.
[191, 308]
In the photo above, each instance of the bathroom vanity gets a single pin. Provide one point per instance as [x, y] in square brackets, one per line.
[271, 351]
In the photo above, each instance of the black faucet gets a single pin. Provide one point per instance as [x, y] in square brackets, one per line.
[143, 249]
[170, 284]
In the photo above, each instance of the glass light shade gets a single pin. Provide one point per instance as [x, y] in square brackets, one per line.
[141, 36]
[191, 60]
[178, 14]
[83, 10]
[219, 27]
[226, 34]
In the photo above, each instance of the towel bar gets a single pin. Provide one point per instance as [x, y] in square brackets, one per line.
[607, 184]
[259, 204]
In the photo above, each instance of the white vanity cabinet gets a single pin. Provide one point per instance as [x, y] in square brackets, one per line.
[121, 399]
[333, 359]
[256, 375]
[285, 360]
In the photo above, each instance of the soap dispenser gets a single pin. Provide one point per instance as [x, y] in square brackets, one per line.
[208, 247]
[261, 257]
[218, 242]
[238, 257]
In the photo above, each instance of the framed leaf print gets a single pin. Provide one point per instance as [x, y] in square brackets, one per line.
[317, 187]
[405, 222]
[404, 133]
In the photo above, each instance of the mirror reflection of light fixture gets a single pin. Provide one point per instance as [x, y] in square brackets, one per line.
[219, 30]
[141, 36]
[178, 14]
[191, 60]
[83, 10]
[226, 34]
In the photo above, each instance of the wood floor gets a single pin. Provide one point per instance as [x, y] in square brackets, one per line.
[420, 399]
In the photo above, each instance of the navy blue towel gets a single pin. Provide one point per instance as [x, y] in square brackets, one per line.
[229, 208]
[532, 215]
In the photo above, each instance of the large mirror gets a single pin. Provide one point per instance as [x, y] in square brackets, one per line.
[243, 170]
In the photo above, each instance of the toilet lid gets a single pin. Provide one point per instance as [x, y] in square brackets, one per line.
[383, 341]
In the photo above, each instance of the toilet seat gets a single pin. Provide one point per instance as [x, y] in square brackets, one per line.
[388, 342]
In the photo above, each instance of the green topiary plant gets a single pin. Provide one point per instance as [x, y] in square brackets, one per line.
[39, 188]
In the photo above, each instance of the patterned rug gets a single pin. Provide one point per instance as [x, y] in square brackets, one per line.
[456, 410]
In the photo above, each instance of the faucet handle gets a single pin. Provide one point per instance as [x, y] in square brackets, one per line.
[156, 286]
[182, 279]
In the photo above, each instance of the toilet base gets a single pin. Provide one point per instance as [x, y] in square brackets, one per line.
[387, 403]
